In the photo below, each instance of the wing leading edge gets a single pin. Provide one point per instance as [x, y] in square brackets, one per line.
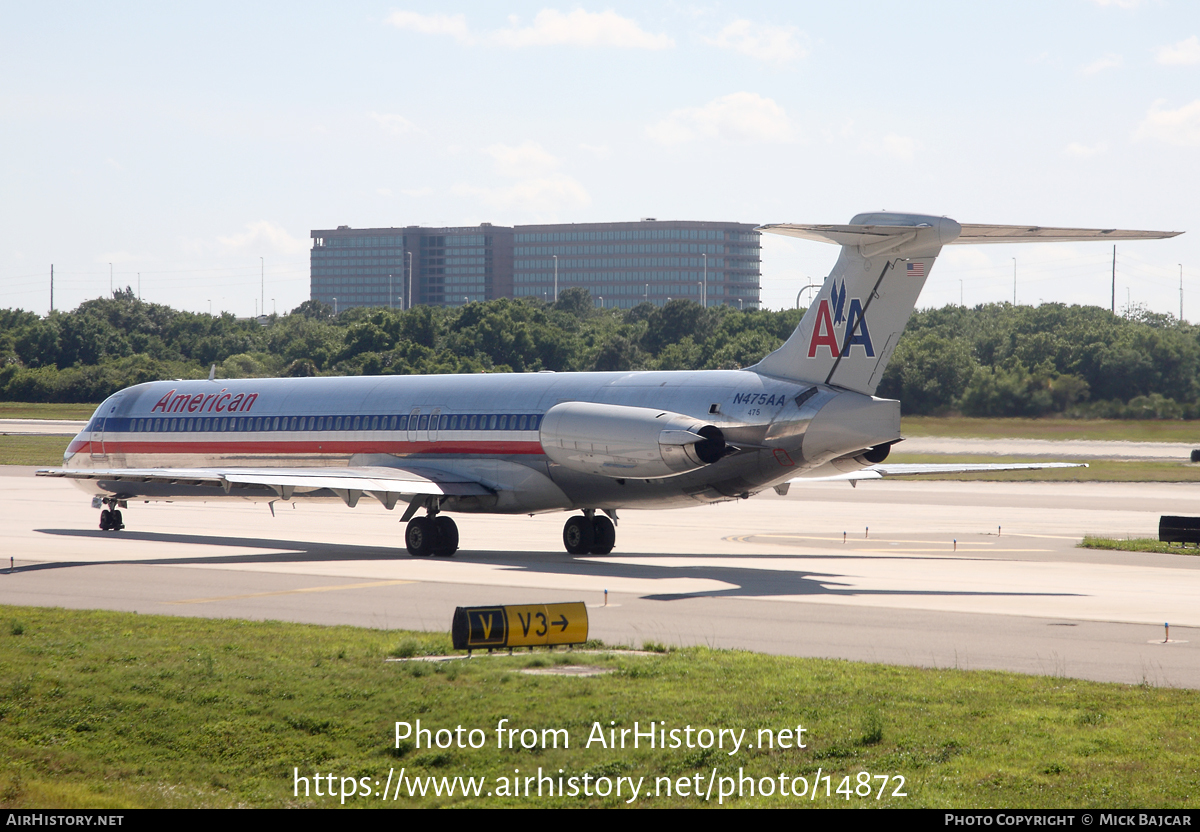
[386, 484]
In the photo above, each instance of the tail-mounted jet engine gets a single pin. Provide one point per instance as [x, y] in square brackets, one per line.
[636, 442]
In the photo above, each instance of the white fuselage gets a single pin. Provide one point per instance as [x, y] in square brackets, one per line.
[483, 428]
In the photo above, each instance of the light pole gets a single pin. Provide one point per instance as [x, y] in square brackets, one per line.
[410, 276]
[335, 307]
[802, 291]
[262, 285]
[704, 289]
[555, 256]
[273, 312]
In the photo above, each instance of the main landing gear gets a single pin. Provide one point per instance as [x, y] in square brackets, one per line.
[110, 518]
[432, 534]
[589, 534]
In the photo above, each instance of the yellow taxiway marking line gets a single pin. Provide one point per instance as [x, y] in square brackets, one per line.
[897, 549]
[1045, 536]
[290, 592]
[876, 540]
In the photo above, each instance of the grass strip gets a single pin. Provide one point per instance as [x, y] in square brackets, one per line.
[32, 450]
[1136, 544]
[1098, 470]
[1117, 430]
[107, 709]
[46, 410]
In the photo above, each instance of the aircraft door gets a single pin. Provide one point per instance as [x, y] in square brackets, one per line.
[98, 429]
[413, 419]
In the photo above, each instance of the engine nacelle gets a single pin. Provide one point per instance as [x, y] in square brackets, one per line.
[636, 442]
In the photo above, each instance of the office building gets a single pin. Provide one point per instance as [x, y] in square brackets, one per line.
[620, 264]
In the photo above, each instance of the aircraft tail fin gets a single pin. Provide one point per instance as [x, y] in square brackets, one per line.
[852, 327]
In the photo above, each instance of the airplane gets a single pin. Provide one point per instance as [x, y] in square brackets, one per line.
[528, 443]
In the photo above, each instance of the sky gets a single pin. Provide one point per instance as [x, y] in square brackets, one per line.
[189, 149]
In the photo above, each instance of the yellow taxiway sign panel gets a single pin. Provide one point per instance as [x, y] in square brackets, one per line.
[525, 625]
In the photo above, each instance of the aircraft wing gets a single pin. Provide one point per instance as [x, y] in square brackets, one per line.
[905, 469]
[348, 483]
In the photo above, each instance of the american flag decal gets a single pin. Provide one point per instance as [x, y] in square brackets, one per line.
[916, 269]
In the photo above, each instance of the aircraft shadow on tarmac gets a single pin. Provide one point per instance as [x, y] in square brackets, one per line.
[748, 581]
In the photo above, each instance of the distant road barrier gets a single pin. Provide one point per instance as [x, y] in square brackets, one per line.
[1179, 529]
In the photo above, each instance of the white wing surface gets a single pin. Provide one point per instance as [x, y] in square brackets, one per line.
[905, 469]
[348, 483]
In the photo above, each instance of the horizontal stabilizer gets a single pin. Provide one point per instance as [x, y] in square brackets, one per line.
[865, 235]
[1047, 234]
[845, 235]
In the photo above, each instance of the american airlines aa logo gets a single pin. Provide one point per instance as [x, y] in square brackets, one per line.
[832, 318]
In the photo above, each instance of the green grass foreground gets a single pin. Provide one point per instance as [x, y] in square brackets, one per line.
[112, 710]
[1137, 544]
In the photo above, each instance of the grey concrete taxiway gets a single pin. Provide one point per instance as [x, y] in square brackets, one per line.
[945, 574]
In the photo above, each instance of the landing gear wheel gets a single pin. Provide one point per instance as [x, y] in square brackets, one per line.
[604, 536]
[105, 520]
[578, 535]
[447, 536]
[419, 537]
[115, 523]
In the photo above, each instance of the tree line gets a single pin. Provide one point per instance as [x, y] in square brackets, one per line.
[990, 360]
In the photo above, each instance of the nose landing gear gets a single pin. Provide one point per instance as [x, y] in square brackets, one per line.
[110, 518]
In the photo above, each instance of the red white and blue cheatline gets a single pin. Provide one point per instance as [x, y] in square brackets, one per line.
[916, 269]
